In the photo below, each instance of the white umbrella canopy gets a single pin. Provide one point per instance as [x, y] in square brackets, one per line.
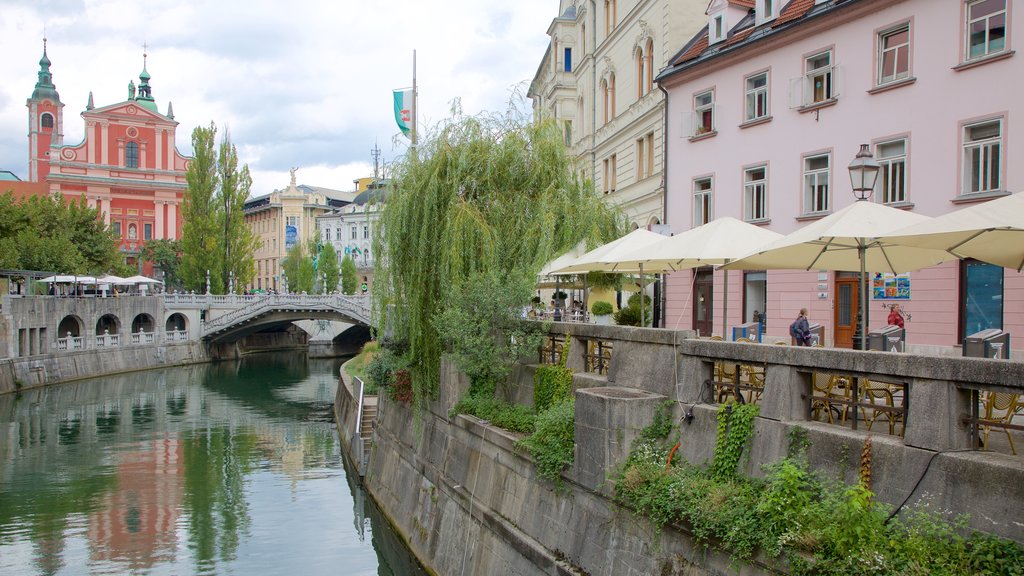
[562, 261]
[847, 240]
[604, 257]
[111, 279]
[68, 279]
[850, 239]
[141, 280]
[992, 231]
[714, 243]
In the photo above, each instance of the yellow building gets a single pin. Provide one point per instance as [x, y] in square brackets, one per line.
[284, 218]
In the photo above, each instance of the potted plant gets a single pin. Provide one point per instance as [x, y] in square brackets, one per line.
[602, 312]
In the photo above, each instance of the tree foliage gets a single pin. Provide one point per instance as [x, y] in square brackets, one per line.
[349, 275]
[51, 233]
[214, 237]
[482, 195]
[166, 255]
[297, 267]
[328, 267]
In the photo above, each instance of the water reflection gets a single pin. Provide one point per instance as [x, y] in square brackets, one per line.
[227, 468]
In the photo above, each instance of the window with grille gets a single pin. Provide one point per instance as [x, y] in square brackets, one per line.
[131, 155]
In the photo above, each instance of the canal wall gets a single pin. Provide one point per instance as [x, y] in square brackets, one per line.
[467, 501]
[18, 374]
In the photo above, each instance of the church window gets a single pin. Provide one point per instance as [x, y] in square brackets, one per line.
[131, 155]
[46, 121]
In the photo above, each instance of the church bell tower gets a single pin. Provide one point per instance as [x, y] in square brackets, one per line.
[45, 122]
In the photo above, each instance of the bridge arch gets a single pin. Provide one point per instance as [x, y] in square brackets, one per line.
[108, 324]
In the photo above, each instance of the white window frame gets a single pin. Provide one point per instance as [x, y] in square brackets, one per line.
[703, 200]
[987, 49]
[982, 159]
[816, 184]
[716, 28]
[641, 163]
[826, 73]
[897, 50]
[766, 10]
[700, 107]
[892, 176]
[755, 193]
[753, 95]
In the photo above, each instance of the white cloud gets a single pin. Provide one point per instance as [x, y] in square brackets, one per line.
[303, 83]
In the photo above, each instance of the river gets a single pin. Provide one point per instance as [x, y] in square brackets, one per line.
[226, 468]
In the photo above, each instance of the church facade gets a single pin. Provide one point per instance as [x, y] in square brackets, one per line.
[127, 166]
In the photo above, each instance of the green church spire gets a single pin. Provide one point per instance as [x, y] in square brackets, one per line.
[145, 97]
[44, 86]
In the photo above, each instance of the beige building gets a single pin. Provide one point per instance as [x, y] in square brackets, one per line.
[597, 79]
[284, 218]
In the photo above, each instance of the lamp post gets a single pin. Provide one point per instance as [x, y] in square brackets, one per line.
[863, 174]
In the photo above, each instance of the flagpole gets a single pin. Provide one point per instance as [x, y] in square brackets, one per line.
[414, 99]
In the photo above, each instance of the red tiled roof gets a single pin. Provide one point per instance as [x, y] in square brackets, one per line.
[695, 50]
[740, 36]
[22, 190]
[794, 10]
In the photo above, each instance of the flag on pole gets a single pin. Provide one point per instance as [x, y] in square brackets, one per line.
[403, 109]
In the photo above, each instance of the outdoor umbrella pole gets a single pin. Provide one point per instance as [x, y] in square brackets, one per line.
[643, 294]
[725, 306]
[864, 299]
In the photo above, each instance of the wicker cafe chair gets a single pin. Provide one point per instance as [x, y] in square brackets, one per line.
[827, 389]
[999, 409]
[883, 395]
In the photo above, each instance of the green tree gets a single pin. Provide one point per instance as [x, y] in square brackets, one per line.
[297, 266]
[200, 214]
[50, 233]
[328, 268]
[238, 242]
[480, 195]
[166, 255]
[349, 275]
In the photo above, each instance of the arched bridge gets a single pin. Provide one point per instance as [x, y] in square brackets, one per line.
[229, 318]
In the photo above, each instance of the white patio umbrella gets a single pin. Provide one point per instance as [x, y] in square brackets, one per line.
[847, 240]
[141, 280]
[602, 258]
[714, 243]
[992, 231]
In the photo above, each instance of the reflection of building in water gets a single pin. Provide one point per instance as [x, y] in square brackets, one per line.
[135, 525]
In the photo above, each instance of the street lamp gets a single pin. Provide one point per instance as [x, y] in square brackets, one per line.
[863, 174]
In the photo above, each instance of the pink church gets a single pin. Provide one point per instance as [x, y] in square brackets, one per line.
[127, 166]
[769, 104]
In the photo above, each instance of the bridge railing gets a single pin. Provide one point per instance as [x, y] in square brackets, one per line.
[358, 307]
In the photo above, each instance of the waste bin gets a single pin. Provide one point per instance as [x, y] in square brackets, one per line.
[991, 343]
[750, 331]
[889, 338]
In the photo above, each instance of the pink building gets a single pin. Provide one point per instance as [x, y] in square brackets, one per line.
[768, 105]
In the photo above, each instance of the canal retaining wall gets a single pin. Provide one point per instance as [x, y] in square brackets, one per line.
[467, 501]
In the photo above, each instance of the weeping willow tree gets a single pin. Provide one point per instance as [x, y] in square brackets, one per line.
[482, 195]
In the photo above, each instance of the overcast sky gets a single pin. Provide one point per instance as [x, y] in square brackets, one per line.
[302, 83]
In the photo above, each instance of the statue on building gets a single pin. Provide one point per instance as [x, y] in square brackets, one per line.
[292, 171]
[131, 90]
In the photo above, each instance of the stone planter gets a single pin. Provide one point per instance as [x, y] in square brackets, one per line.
[603, 319]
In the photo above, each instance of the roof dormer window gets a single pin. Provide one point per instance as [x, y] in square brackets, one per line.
[716, 28]
[766, 10]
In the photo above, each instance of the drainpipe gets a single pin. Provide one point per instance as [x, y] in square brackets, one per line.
[593, 92]
[662, 302]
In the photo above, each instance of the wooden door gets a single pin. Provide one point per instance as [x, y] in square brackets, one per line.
[845, 320]
[703, 289]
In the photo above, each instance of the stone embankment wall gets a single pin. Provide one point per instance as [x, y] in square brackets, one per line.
[468, 502]
[40, 370]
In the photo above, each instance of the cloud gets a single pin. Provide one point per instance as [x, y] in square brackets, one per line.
[305, 83]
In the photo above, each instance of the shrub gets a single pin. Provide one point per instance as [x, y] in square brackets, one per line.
[601, 307]
[501, 414]
[551, 383]
[628, 316]
[554, 440]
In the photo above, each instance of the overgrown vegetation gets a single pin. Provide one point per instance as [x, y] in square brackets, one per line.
[480, 402]
[554, 439]
[601, 307]
[481, 197]
[819, 527]
[552, 382]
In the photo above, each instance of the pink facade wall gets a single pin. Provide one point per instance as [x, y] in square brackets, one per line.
[929, 111]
